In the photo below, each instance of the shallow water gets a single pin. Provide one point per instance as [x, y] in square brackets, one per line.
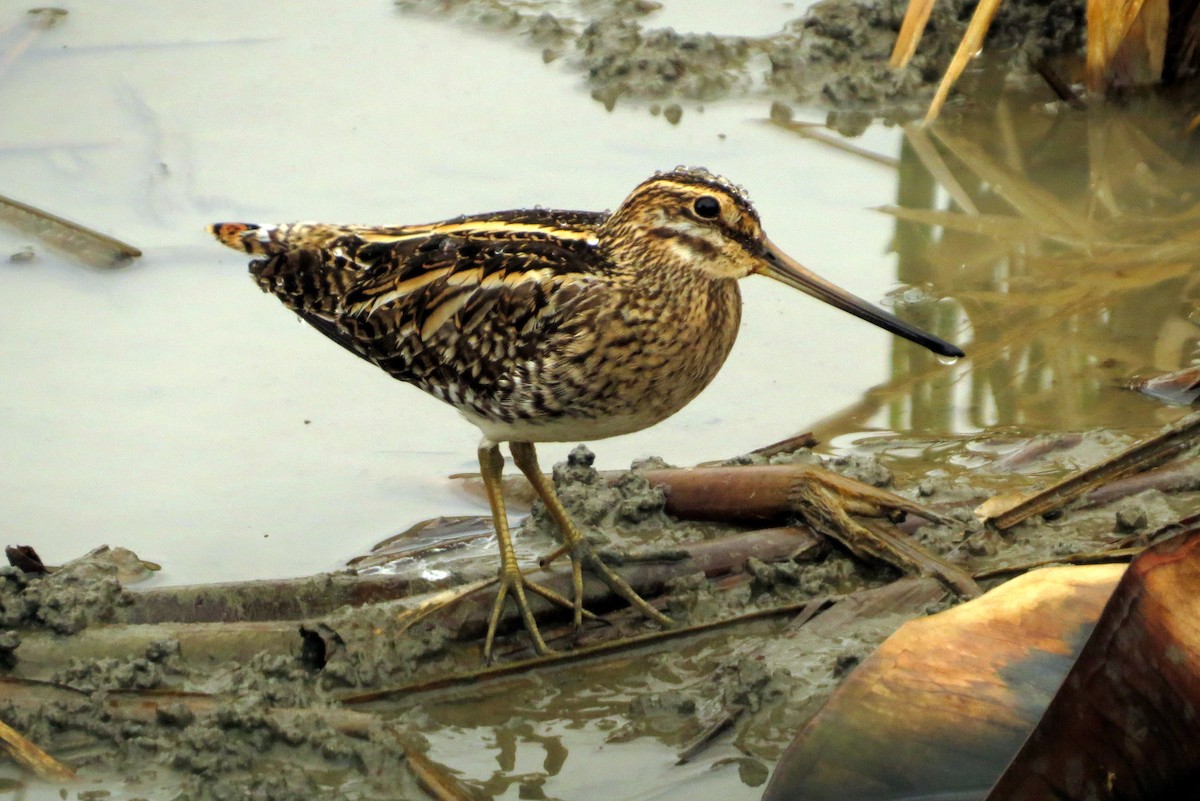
[170, 407]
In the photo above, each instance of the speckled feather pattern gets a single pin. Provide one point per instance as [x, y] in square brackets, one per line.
[537, 325]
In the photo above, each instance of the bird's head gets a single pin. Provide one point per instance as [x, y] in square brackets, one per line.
[690, 218]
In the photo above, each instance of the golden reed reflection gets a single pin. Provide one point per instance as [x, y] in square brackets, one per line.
[1062, 248]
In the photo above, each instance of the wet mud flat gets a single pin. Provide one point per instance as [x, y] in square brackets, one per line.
[835, 54]
[344, 684]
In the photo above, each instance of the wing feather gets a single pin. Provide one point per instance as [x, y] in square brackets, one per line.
[423, 302]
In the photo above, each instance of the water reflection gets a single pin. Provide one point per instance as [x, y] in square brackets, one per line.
[1068, 244]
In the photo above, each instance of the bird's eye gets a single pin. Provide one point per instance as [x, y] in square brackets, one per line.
[707, 206]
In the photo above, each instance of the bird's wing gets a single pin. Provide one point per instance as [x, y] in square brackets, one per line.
[421, 301]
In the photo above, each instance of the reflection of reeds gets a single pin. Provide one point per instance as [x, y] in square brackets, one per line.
[1129, 43]
[1066, 257]
[1070, 244]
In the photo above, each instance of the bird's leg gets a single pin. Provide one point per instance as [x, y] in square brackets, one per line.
[526, 458]
[491, 466]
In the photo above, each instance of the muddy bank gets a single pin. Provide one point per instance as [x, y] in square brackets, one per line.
[286, 701]
[836, 54]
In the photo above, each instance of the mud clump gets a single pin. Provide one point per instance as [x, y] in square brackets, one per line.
[227, 755]
[147, 672]
[619, 57]
[836, 54]
[370, 646]
[81, 593]
[600, 507]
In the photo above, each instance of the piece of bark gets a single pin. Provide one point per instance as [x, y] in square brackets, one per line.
[1124, 725]
[757, 493]
[941, 706]
[876, 540]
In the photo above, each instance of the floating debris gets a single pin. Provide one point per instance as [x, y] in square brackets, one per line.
[1178, 388]
[90, 247]
[22, 255]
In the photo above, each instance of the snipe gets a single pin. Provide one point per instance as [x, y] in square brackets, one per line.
[545, 326]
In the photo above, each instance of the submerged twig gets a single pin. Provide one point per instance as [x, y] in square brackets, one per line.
[1057, 84]
[85, 244]
[711, 732]
[435, 779]
[816, 132]
[144, 705]
[39, 19]
[1137, 457]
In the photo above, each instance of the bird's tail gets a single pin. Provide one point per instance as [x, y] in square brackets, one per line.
[262, 240]
[271, 240]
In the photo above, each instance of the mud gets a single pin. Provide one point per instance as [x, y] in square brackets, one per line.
[86, 591]
[835, 55]
[279, 725]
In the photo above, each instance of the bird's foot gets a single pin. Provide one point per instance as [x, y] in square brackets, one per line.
[583, 555]
[516, 585]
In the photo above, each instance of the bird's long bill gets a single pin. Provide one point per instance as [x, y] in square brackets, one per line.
[784, 268]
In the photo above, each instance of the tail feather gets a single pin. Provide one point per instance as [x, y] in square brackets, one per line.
[261, 240]
[271, 240]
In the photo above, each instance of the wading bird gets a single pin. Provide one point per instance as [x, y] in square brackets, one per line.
[545, 326]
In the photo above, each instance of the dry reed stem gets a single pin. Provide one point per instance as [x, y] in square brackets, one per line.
[911, 29]
[971, 43]
[29, 756]
[1126, 42]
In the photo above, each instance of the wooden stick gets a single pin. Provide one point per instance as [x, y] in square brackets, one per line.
[710, 733]
[90, 246]
[817, 132]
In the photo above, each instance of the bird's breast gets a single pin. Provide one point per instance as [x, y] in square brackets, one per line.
[624, 361]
